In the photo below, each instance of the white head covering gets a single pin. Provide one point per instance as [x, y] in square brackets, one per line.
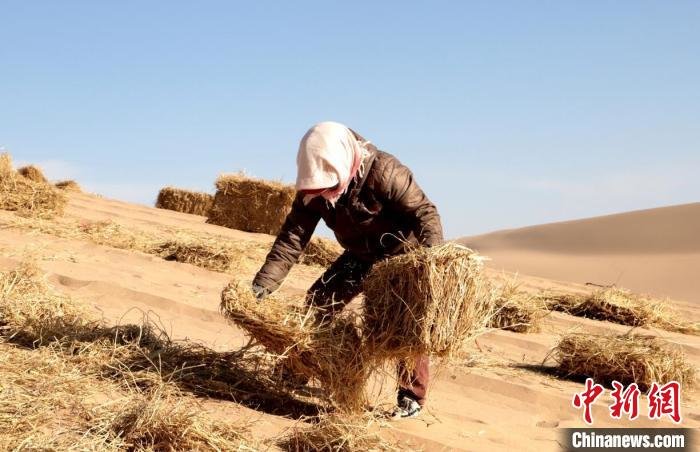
[329, 155]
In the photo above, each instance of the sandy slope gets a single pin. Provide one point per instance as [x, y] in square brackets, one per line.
[498, 404]
[655, 250]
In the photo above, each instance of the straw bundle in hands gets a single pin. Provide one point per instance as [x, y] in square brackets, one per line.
[329, 352]
[26, 197]
[620, 306]
[195, 203]
[252, 205]
[626, 359]
[427, 301]
[33, 173]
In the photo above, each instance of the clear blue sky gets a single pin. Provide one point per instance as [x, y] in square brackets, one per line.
[510, 113]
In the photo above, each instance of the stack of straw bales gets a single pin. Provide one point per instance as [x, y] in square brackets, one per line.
[428, 301]
[69, 185]
[27, 197]
[330, 352]
[33, 173]
[251, 205]
[626, 359]
[195, 203]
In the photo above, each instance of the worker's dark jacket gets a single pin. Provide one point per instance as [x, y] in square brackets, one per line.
[378, 214]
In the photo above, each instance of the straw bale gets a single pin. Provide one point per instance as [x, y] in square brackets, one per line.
[517, 311]
[626, 359]
[185, 201]
[620, 306]
[26, 197]
[321, 252]
[33, 173]
[428, 301]
[330, 352]
[252, 205]
[69, 185]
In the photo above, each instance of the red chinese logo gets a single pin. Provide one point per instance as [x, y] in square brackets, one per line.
[626, 401]
[586, 398]
[663, 400]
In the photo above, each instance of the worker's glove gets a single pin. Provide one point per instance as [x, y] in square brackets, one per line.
[260, 292]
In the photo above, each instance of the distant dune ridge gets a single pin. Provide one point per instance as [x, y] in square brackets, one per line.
[654, 250]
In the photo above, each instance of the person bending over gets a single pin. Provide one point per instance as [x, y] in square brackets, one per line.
[376, 210]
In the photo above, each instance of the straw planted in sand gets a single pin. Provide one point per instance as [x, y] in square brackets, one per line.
[210, 255]
[321, 252]
[335, 433]
[517, 311]
[33, 173]
[329, 352]
[428, 301]
[27, 197]
[252, 205]
[620, 306]
[626, 359]
[185, 201]
[203, 250]
[68, 185]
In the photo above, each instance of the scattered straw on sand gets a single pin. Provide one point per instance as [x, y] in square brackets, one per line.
[163, 418]
[34, 315]
[329, 352]
[621, 306]
[428, 301]
[33, 173]
[68, 185]
[517, 310]
[71, 383]
[48, 403]
[321, 252]
[626, 359]
[25, 196]
[179, 200]
[334, 433]
[252, 205]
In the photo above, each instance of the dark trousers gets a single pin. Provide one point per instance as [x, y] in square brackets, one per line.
[338, 285]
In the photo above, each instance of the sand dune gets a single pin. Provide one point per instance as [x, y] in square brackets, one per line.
[499, 404]
[655, 250]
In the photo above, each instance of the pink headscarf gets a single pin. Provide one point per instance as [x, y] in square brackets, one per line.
[329, 155]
